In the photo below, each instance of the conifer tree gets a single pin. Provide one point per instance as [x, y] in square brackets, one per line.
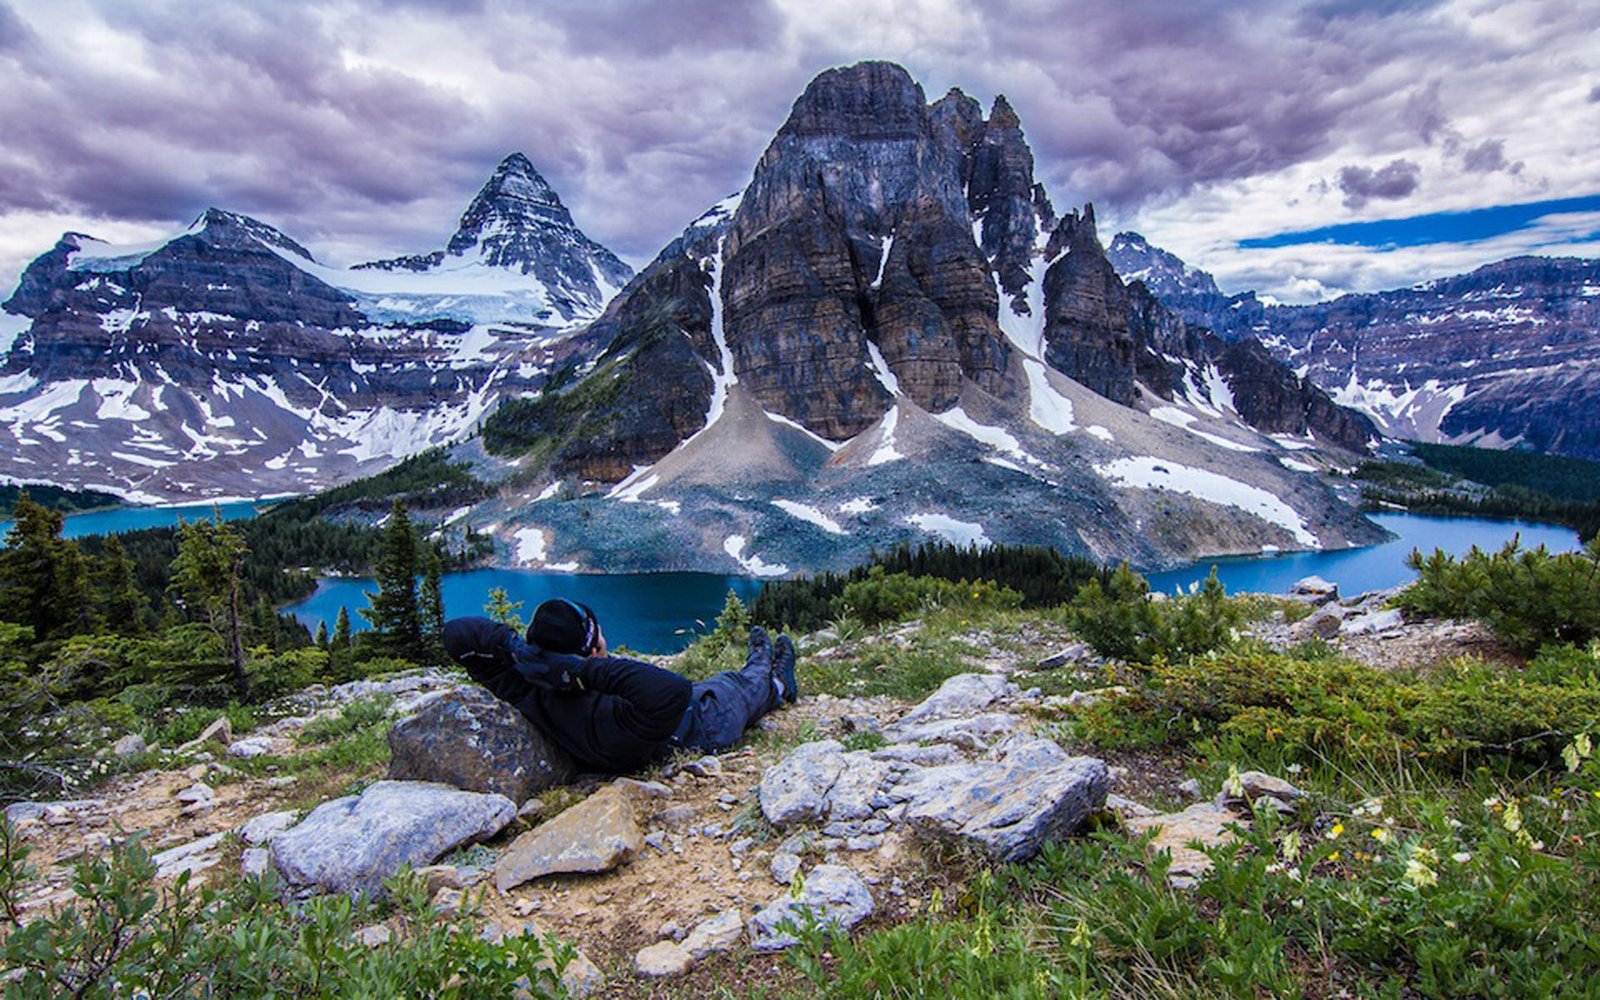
[432, 603]
[43, 581]
[122, 603]
[502, 609]
[322, 635]
[207, 574]
[393, 609]
[341, 629]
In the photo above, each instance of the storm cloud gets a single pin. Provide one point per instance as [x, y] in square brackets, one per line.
[363, 127]
[1397, 179]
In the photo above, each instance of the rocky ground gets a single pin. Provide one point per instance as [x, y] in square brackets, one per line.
[673, 882]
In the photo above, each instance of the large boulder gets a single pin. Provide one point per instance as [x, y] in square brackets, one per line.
[352, 844]
[474, 741]
[1011, 807]
[596, 835]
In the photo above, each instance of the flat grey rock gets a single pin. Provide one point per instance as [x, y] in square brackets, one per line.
[1010, 808]
[795, 789]
[963, 694]
[259, 831]
[352, 844]
[972, 733]
[831, 894]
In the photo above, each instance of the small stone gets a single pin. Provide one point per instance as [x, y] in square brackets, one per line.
[596, 835]
[219, 732]
[728, 798]
[741, 847]
[1191, 788]
[831, 893]
[374, 935]
[863, 843]
[259, 831]
[196, 793]
[662, 960]
[705, 767]
[717, 934]
[677, 818]
[784, 867]
[860, 724]
[1314, 590]
[255, 746]
[447, 901]
[656, 839]
[254, 861]
[1205, 822]
[437, 877]
[1127, 807]
[531, 811]
[130, 745]
[673, 931]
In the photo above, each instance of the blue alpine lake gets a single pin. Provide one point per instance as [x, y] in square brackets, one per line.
[115, 519]
[646, 612]
[663, 612]
[1376, 567]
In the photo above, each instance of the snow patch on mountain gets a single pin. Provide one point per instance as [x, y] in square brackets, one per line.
[753, 564]
[952, 530]
[1149, 473]
[809, 514]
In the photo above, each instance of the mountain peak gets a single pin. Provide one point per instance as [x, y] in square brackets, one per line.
[867, 100]
[220, 227]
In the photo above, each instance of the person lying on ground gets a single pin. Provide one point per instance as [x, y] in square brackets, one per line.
[610, 713]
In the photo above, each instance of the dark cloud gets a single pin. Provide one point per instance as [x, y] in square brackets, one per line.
[1594, 94]
[618, 26]
[1398, 179]
[366, 125]
[1488, 156]
[1424, 114]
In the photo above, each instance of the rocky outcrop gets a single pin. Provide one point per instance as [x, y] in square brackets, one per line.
[354, 843]
[1007, 803]
[831, 895]
[854, 237]
[472, 740]
[1086, 330]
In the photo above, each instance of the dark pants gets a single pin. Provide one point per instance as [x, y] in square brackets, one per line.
[724, 706]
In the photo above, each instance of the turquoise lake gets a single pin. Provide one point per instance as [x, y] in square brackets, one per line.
[107, 522]
[662, 612]
[647, 612]
[1376, 567]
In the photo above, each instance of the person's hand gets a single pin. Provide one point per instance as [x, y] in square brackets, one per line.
[599, 643]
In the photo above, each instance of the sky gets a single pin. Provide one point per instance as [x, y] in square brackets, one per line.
[1301, 149]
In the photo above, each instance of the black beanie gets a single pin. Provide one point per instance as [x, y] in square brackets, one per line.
[564, 627]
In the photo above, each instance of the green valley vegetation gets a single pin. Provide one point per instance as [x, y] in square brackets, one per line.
[56, 498]
[1039, 576]
[1445, 844]
[1487, 482]
[106, 636]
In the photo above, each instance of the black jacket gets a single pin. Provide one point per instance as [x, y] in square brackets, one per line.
[610, 713]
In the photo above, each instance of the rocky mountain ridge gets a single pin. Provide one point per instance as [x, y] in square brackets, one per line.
[1504, 356]
[889, 335]
[227, 360]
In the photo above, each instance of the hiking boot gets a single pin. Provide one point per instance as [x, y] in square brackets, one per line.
[783, 669]
[760, 644]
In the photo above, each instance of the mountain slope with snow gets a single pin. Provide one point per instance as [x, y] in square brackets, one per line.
[227, 361]
[865, 348]
[1505, 356]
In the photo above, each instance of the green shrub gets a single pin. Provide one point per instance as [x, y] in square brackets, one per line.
[1277, 707]
[359, 714]
[120, 937]
[275, 674]
[1121, 621]
[886, 597]
[1529, 597]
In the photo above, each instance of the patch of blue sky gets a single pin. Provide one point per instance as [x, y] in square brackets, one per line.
[1439, 227]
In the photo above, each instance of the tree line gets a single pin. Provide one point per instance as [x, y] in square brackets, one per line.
[1043, 576]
